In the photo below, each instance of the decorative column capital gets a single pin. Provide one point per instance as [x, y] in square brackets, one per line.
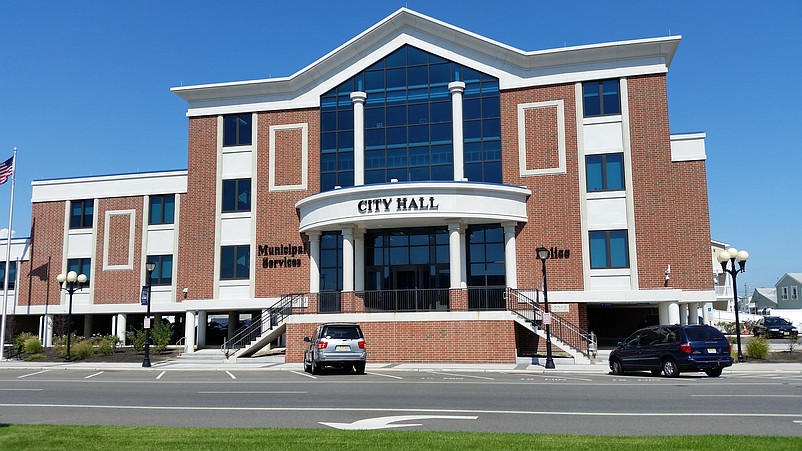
[455, 87]
[358, 97]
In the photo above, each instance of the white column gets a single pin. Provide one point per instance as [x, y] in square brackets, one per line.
[693, 313]
[348, 259]
[673, 312]
[463, 266]
[314, 258]
[457, 88]
[265, 325]
[510, 257]
[189, 332]
[662, 312]
[683, 314]
[358, 98]
[87, 325]
[359, 259]
[203, 320]
[122, 325]
[455, 255]
[47, 338]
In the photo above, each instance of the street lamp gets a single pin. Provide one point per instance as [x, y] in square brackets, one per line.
[732, 255]
[542, 255]
[71, 282]
[149, 267]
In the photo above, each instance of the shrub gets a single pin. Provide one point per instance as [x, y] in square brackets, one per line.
[105, 347]
[758, 348]
[137, 339]
[60, 343]
[792, 343]
[83, 349]
[19, 340]
[161, 335]
[32, 345]
[34, 357]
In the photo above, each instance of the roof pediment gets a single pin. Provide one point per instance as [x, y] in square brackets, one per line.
[515, 68]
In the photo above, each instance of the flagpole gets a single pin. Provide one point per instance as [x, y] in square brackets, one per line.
[8, 258]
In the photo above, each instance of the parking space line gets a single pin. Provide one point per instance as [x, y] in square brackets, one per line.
[160, 375]
[21, 389]
[33, 374]
[232, 376]
[93, 375]
[304, 374]
[463, 375]
[252, 392]
[384, 375]
[746, 396]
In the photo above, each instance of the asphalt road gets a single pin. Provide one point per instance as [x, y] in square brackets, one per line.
[762, 404]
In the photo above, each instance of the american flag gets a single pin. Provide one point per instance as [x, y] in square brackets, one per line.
[6, 169]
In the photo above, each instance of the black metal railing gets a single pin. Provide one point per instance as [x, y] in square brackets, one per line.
[415, 300]
[487, 298]
[561, 328]
[330, 302]
[269, 319]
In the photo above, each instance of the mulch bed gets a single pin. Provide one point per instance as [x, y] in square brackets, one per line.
[121, 355]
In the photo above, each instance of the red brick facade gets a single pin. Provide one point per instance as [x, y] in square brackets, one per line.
[118, 285]
[38, 276]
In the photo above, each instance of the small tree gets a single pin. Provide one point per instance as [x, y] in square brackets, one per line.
[137, 339]
[792, 343]
[161, 335]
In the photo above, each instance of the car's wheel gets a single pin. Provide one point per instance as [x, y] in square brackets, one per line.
[755, 333]
[715, 372]
[314, 367]
[656, 372]
[615, 367]
[307, 366]
[359, 368]
[670, 368]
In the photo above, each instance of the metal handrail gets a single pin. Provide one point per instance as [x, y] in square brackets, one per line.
[561, 328]
[270, 318]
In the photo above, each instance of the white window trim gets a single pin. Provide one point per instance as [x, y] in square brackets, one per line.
[131, 220]
[304, 127]
[522, 151]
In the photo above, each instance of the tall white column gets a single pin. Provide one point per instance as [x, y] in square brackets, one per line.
[455, 255]
[189, 332]
[359, 259]
[457, 88]
[122, 325]
[673, 312]
[510, 256]
[358, 98]
[47, 337]
[693, 313]
[348, 259]
[314, 258]
[683, 314]
[203, 320]
[662, 312]
[88, 325]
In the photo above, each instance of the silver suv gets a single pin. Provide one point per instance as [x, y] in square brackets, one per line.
[341, 345]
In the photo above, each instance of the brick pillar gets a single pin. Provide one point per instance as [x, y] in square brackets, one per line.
[458, 299]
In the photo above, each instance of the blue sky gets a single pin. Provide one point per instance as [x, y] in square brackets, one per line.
[85, 86]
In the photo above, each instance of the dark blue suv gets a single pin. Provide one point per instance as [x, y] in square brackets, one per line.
[672, 350]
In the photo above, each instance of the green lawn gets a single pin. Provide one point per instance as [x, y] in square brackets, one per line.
[85, 438]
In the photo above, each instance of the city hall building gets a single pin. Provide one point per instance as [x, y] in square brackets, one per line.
[404, 181]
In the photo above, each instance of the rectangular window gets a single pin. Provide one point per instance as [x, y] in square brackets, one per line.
[236, 195]
[331, 261]
[605, 172]
[235, 262]
[12, 274]
[784, 294]
[81, 213]
[601, 98]
[237, 130]
[162, 209]
[609, 249]
[81, 266]
[794, 292]
[163, 271]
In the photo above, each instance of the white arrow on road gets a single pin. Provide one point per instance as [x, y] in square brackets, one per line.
[385, 422]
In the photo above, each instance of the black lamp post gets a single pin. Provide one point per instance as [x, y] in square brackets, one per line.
[149, 267]
[732, 255]
[543, 255]
[70, 282]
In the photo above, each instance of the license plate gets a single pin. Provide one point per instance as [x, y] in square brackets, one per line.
[786, 333]
[342, 348]
[712, 351]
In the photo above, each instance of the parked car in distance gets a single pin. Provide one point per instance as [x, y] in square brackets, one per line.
[774, 327]
[339, 345]
[672, 350]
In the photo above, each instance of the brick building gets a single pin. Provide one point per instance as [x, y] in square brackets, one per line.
[403, 181]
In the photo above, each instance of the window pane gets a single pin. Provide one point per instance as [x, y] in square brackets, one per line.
[611, 100]
[227, 262]
[615, 171]
[594, 172]
[591, 101]
[244, 124]
[229, 195]
[244, 196]
[598, 250]
[618, 249]
[156, 209]
[229, 130]
[243, 262]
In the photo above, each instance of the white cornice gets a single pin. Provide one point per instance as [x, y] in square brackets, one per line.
[515, 68]
[120, 185]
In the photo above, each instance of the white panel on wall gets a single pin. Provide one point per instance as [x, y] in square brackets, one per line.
[235, 230]
[80, 244]
[610, 283]
[161, 241]
[237, 165]
[606, 137]
[235, 291]
[607, 214]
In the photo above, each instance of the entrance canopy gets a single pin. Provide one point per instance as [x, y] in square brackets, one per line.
[413, 204]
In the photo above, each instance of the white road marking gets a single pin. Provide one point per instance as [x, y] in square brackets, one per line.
[304, 374]
[384, 375]
[385, 422]
[252, 392]
[747, 396]
[33, 374]
[232, 376]
[93, 375]
[21, 389]
[463, 375]
[160, 375]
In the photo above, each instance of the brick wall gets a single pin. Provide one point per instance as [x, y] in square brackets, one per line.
[118, 286]
[38, 284]
[424, 341]
[553, 207]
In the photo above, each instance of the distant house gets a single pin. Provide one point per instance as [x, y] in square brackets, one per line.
[782, 300]
[787, 291]
[763, 300]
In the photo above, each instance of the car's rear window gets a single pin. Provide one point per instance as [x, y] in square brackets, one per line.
[776, 322]
[342, 332]
[704, 334]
